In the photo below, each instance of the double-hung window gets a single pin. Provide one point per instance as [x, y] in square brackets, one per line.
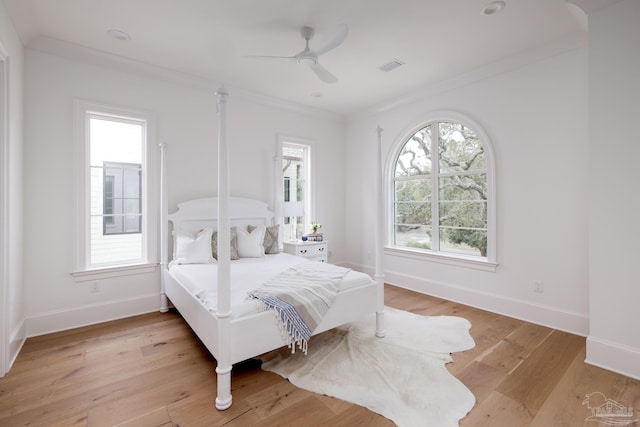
[113, 191]
[443, 201]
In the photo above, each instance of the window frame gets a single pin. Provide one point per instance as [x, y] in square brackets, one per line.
[83, 271]
[488, 263]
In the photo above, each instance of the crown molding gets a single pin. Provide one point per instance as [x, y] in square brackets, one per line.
[99, 58]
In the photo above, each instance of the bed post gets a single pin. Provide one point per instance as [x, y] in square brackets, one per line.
[223, 369]
[164, 229]
[379, 241]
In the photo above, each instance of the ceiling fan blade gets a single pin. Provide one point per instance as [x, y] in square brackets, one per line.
[277, 58]
[323, 74]
[339, 36]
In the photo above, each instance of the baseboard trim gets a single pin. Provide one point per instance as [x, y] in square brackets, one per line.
[17, 340]
[614, 357]
[62, 320]
[552, 317]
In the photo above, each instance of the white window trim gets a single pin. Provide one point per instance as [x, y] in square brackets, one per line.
[111, 272]
[488, 263]
[476, 263]
[150, 191]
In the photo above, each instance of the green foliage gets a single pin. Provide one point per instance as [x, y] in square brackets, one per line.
[473, 238]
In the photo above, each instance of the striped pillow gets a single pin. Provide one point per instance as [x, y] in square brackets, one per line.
[270, 243]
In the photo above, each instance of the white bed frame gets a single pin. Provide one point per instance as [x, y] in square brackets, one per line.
[232, 340]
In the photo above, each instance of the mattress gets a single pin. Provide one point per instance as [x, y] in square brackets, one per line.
[247, 274]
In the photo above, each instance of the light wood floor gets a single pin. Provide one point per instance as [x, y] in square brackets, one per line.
[150, 370]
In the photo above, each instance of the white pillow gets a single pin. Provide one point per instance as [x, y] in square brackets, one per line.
[193, 249]
[250, 244]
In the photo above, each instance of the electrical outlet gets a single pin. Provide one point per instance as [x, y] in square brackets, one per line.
[538, 286]
[94, 287]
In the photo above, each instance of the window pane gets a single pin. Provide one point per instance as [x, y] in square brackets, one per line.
[122, 185]
[131, 206]
[118, 206]
[287, 189]
[412, 213]
[293, 151]
[463, 241]
[463, 187]
[131, 223]
[459, 148]
[131, 187]
[413, 236]
[463, 214]
[300, 190]
[115, 152]
[106, 248]
[115, 141]
[418, 190]
[293, 173]
[96, 182]
[456, 213]
[415, 157]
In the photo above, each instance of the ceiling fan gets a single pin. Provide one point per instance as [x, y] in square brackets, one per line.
[309, 57]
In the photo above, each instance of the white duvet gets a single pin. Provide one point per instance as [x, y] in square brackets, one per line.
[247, 274]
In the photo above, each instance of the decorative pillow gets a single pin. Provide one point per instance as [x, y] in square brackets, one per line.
[250, 243]
[233, 241]
[270, 243]
[191, 249]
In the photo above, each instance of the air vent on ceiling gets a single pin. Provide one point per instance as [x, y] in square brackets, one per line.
[391, 65]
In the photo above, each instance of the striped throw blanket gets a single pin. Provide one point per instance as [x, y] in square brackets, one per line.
[300, 296]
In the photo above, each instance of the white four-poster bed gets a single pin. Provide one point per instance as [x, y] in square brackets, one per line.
[230, 336]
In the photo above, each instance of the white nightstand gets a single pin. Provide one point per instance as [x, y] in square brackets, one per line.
[315, 251]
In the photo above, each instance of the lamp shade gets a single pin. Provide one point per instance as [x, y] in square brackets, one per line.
[293, 209]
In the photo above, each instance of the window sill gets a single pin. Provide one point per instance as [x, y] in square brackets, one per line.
[110, 272]
[457, 261]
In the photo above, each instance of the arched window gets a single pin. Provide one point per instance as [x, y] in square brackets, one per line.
[443, 201]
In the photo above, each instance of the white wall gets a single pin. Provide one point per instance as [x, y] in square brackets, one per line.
[614, 144]
[566, 211]
[536, 118]
[186, 122]
[14, 332]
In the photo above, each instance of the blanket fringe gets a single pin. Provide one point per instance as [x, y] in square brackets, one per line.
[290, 334]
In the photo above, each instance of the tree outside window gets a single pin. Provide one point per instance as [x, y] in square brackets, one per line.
[441, 191]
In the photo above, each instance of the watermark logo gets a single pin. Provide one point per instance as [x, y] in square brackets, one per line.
[607, 411]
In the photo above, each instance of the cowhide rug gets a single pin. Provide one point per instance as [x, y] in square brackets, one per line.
[401, 376]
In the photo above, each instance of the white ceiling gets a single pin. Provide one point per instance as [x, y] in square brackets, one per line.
[436, 39]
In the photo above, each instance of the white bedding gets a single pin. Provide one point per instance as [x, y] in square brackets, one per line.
[247, 274]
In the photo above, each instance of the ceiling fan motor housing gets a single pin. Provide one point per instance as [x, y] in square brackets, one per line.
[307, 57]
